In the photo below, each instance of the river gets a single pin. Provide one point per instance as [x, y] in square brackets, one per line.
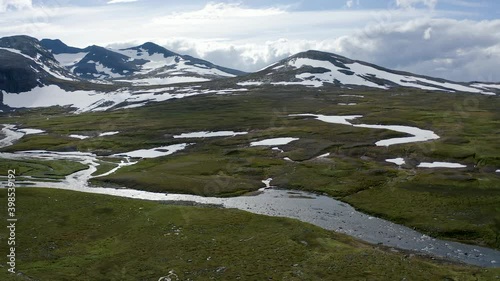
[319, 210]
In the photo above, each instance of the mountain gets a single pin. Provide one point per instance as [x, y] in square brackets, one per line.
[25, 64]
[56, 46]
[147, 64]
[163, 64]
[51, 73]
[101, 63]
[316, 69]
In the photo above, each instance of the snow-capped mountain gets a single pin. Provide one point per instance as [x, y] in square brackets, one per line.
[49, 72]
[316, 69]
[25, 64]
[101, 63]
[147, 64]
[165, 67]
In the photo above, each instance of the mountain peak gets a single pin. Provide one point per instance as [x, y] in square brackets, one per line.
[153, 48]
[25, 64]
[56, 46]
[27, 45]
[323, 56]
[20, 39]
[316, 68]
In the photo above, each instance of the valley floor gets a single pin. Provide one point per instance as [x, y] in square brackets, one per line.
[337, 159]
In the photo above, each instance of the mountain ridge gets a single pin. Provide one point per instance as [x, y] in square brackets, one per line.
[27, 63]
[317, 68]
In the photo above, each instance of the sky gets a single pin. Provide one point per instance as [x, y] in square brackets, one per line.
[452, 39]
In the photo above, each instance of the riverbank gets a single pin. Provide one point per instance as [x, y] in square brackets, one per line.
[74, 235]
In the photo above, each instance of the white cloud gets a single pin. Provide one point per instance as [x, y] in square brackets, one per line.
[459, 50]
[427, 33]
[406, 4]
[6, 5]
[351, 3]
[468, 4]
[216, 11]
[245, 38]
[121, 1]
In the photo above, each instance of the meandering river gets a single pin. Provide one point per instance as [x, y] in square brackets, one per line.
[316, 209]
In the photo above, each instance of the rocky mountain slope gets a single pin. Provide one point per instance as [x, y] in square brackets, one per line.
[317, 69]
[147, 64]
[25, 64]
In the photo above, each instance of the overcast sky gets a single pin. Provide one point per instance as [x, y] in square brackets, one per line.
[453, 39]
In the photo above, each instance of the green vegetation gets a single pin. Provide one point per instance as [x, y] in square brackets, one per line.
[452, 204]
[64, 235]
[104, 167]
[46, 169]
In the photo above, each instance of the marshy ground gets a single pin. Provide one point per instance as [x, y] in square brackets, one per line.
[455, 204]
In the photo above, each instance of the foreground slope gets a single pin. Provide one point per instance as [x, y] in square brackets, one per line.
[75, 236]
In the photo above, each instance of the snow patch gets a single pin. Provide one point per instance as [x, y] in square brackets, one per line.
[164, 80]
[315, 84]
[31, 131]
[487, 86]
[278, 149]
[120, 165]
[109, 133]
[154, 152]
[103, 70]
[323, 155]
[267, 182]
[274, 141]
[353, 96]
[81, 137]
[330, 76]
[397, 161]
[209, 134]
[441, 165]
[69, 59]
[172, 65]
[11, 135]
[362, 73]
[85, 101]
[250, 83]
[419, 135]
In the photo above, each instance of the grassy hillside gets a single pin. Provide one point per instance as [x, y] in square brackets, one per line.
[65, 235]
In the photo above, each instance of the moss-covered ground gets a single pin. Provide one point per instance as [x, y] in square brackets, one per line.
[64, 235]
[460, 204]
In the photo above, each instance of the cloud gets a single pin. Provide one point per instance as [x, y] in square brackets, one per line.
[214, 11]
[464, 3]
[459, 50]
[121, 1]
[6, 5]
[407, 4]
[427, 33]
[351, 3]
[249, 38]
